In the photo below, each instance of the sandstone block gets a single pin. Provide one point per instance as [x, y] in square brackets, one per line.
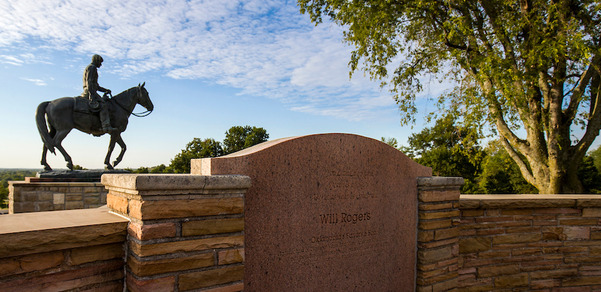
[30, 263]
[435, 206]
[582, 281]
[579, 221]
[186, 245]
[45, 196]
[210, 278]
[152, 231]
[44, 206]
[591, 212]
[72, 205]
[90, 254]
[213, 226]
[117, 204]
[492, 271]
[517, 280]
[73, 197]
[474, 244]
[517, 238]
[438, 196]
[236, 287]
[577, 232]
[438, 215]
[441, 234]
[472, 213]
[91, 200]
[433, 255]
[435, 224]
[230, 256]
[554, 274]
[545, 284]
[148, 210]
[143, 268]
[155, 284]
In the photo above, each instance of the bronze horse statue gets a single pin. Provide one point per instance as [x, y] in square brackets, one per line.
[55, 119]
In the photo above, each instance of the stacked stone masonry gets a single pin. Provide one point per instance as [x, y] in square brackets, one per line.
[185, 231]
[31, 196]
[530, 243]
[438, 233]
[76, 250]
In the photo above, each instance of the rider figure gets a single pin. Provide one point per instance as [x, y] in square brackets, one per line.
[90, 88]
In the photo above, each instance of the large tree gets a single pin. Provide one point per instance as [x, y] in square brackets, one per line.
[531, 69]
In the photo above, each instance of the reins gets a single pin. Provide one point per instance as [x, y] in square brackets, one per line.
[139, 115]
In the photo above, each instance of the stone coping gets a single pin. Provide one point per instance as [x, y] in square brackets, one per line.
[158, 182]
[440, 181]
[521, 201]
[54, 183]
[27, 233]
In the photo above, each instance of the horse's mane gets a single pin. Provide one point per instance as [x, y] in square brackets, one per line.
[127, 92]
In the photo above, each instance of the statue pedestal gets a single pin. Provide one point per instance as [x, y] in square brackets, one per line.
[92, 175]
[58, 190]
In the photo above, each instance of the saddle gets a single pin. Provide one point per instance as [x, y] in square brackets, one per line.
[85, 106]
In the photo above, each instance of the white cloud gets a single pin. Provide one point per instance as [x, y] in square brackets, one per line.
[38, 82]
[262, 47]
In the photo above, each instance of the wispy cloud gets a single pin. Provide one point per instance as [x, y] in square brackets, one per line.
[38, 82]
[263, 47]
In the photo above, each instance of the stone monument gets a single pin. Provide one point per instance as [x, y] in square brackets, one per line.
[329, 212]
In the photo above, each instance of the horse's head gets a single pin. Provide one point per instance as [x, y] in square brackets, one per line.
[144, 98]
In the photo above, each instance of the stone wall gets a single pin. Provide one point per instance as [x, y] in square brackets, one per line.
[36, 196]
[71, 250]
[438, 233]
[530, 242]
[186, 232]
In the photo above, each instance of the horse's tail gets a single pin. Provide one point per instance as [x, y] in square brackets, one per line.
[40, 119]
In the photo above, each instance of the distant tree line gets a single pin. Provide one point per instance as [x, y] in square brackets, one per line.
[452, 149]
[11, 175]
[236, 139]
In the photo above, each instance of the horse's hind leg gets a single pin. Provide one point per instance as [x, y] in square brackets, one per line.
[43, 162]
[47, 167]
[60, 135]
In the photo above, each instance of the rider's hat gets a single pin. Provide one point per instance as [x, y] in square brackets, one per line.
[96, 59]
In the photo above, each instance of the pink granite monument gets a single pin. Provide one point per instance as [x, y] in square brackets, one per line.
[329, 212]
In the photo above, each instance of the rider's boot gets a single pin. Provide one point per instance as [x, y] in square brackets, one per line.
[106, 121]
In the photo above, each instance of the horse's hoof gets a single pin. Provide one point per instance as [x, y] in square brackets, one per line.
[108, 167]
[70, 166]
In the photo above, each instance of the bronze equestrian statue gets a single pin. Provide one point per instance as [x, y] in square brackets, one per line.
[56, 118]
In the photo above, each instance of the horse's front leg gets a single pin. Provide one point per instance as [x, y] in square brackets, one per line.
[107, 159]
[123, 148]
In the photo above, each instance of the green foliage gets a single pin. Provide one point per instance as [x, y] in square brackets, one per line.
[238, 138]
[196, 148]
[500, 174]
[392, 142]
[596, 156]
[529, 65]
[450, 148]
[11, 175]
[590, 176]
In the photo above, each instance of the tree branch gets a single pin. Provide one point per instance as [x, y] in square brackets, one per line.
[526, 172]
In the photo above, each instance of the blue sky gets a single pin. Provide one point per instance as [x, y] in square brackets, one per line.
[208, 66]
